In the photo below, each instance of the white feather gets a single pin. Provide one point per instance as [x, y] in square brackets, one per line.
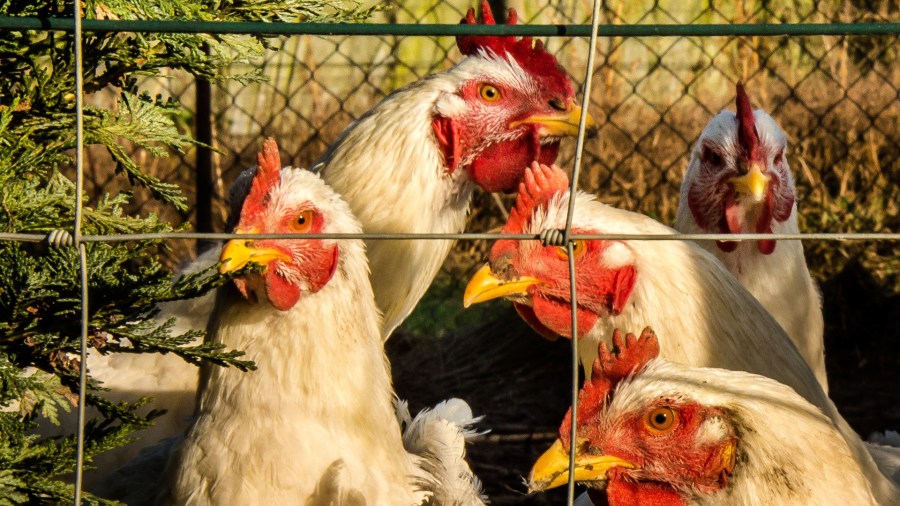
[438, 436]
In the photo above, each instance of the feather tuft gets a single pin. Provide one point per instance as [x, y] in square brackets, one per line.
[438, 437]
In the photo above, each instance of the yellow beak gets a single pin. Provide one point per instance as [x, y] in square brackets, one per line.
[239, 252]
[552, 468]
[558, 125]
[485, 286]
[753, 183]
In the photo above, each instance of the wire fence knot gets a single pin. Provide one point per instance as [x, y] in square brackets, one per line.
[554, 237]
[60, 239]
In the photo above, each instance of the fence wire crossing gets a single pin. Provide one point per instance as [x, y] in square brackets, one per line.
[607, 176]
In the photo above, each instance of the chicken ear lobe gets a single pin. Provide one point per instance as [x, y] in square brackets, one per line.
[623, 284]
[447, 136]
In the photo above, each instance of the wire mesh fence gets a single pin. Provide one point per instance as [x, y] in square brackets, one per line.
[837, 97]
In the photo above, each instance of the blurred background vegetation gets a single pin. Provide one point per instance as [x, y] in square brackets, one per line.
[837, 97]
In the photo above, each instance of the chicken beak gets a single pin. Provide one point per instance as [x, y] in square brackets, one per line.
[565, 123]
[753, 183]
[239, 252]
[552, 468]
[484, 285]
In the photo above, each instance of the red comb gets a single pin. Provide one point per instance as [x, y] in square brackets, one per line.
[530, 55]
[268, 174]
[611, 367]
[540, 183]
[748, 138]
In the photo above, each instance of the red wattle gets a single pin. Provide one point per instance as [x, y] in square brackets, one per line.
[729, 223]
[556, 315]
[731, 216]
[501, 166]
[532, 320]
[766, 246]
[281, 294]
[727, 246]
[622, 492]
[764, 225]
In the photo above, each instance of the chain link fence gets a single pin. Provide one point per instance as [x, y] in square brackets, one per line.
[837, 98]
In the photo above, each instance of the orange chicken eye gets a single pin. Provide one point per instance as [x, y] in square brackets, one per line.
[578, 248]
[303, 222]
[489, 92]
[661, 420]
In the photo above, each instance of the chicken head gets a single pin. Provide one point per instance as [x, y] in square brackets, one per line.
[642, 448]
[274, 205]
[536, 277]
[513, 104]
[738, 178]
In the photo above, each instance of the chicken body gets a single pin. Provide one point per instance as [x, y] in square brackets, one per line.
[704, 316]
[674, 435]
[716, 197]
[315, 422]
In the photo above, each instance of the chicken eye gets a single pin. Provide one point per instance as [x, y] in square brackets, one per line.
[661, 420]
[779, 157]
[489, 92]
[711, 157]
[303, 222]
[578, 248]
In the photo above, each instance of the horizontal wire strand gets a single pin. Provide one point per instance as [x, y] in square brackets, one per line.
[812, 236]
[432, 29]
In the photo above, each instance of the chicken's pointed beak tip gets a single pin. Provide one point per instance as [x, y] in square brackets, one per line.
[551, 470]
[239, 252]
[235, 254]
[227, 266]
[560, 123]
[485, 286]
[479, 286]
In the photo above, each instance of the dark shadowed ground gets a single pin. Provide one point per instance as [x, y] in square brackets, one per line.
[520, 382]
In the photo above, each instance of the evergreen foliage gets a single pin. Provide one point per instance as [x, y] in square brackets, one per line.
[40, 286]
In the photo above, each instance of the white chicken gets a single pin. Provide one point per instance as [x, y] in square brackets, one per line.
[738, 181]
[706, 317]
[315, 423]
[652, 431]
